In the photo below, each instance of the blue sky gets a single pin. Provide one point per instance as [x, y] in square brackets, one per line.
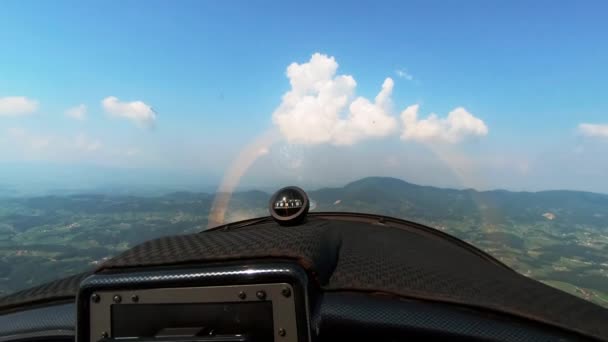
[210, 76]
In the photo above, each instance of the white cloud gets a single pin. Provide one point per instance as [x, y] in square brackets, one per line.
[29, 144]
[17, 105]
[84, 143]
[319, 107]
[404, 74]
[136, 111]
[22, 144]
[594, 130]
[19, 137]
[78, 113]
[458, 125]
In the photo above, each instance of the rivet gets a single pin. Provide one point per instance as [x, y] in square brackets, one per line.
[95, 298]
[261, 294]
[286, 292]
[242, 295]
[117, 299]
[135, 298]
[282, 332]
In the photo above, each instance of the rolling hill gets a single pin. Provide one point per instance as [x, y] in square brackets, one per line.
[560, 237]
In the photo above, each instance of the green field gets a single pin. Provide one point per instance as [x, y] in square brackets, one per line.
[45, 238]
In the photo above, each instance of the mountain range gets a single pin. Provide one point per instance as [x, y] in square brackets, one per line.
[395, 197]
[559, 237]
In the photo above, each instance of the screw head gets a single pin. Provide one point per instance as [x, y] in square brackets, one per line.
[104, 334]
[117, 299]
[95, 298]
[135, 298]
[242, 295]
[261, 295]
[282, 332]
[286, 292]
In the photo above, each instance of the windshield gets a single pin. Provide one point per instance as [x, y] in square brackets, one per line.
[123, 121]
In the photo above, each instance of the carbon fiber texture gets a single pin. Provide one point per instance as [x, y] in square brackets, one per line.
[306, 245]
[55, 290]
[56, 317]
[356, 256]
[358, 314]
[406, 262]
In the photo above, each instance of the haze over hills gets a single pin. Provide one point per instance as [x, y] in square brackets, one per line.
[560, 237]
[395, 197]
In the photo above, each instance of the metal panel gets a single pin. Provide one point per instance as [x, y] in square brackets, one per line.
[283, 307]
[233, 275]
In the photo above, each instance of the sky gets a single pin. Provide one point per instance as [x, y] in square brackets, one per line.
[260, 94]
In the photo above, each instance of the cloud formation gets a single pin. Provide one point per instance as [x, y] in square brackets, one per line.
[137, 111]
[77, 113]
[319, 107]
[402, 73]
[458, 125]
[22, 138]
[86, 144]
[53, 145]
[594, 130]
[17, 106]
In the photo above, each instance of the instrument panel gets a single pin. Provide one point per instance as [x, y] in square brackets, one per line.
[335, 277]
[253, 303]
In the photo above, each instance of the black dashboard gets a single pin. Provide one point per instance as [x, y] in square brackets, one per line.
[331, 277]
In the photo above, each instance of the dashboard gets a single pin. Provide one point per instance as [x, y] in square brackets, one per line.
[264, 301]
[301, 277]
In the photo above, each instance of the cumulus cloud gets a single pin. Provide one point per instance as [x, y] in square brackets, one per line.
[594, 130]
[402, 73]
[77, 113]
[17, 105]
[320, 108]
[458, 125]
[137, 111]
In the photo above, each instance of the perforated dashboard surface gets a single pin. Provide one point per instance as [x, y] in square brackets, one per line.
[376, 256]
[389, 257]
[58, 318]
[62, 289]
